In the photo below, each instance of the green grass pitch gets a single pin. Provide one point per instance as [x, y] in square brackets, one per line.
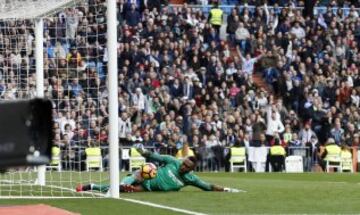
[310, 193]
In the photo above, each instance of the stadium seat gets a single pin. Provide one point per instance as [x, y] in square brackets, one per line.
[184, 152]
[136, 160]
[238, 161]
[346, 165]
[334, 162]
[358, 159]
[93, 158]
[56, 159]
[294, 163]
[258, 157]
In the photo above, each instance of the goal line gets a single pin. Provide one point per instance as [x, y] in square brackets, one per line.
[84, 195]
[184, 211]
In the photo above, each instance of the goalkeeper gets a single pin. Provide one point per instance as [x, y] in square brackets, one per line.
[173, 175]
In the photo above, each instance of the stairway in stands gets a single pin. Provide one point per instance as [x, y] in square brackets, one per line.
[177, 1]
[257, 77]
[261, 83]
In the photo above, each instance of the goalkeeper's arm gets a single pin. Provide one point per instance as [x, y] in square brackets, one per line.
[140, 148]
[154, 156]
[216, 188]
[224, 189]
[197, 182]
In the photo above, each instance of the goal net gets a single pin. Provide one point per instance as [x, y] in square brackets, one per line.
[75, 77]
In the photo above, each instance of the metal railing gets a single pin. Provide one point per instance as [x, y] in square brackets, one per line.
[210, 159]
[227, 8]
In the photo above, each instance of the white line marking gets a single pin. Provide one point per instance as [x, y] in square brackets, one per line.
[242, 191]
[162, 206]
[80, 195]
[337, 182]
[46, 197]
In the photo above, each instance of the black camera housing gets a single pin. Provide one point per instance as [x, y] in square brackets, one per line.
[26, 132]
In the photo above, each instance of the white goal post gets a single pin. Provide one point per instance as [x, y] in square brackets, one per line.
[113, 98]
[26, 21]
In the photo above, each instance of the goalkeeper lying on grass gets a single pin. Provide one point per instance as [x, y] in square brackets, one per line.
[173, 175]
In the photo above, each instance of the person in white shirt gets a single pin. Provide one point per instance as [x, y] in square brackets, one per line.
[262, 100]
[309, 140]
[274, 124]
[307, 135]
[353, 12]
[124, 126]
[67, 121]
[355, 98]
[231, 70]
[139, 99]
[298, 31]
[60, 119]
[242, 36]
[248, 62]
[241, 33]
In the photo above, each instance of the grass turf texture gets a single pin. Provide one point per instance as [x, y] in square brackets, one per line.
[266, 193]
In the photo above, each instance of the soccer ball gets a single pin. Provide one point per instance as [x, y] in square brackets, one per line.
[148, 171]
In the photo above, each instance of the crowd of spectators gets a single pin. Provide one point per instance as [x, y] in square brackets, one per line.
[183, 83]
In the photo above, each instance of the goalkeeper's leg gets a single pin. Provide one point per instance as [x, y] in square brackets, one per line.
[128, 188]
[131, 183]
[93, 187]
[126, 185]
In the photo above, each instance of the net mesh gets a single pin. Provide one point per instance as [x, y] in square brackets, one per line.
[75, 81]
[28, 9]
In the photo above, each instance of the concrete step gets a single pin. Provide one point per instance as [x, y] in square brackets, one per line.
[177, 1]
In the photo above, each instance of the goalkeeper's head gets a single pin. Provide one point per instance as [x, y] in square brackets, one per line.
[188, 164]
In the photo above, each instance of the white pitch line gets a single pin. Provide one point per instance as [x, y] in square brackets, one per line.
[44, 197]
[162, 206]
[91, 195]
[337, 182]
[125, 199]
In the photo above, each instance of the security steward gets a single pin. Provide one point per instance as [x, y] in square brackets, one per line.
[327, 152]
[216, 17]
[277, 156]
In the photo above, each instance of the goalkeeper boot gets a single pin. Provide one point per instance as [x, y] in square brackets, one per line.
[81, 187]
[127, 188]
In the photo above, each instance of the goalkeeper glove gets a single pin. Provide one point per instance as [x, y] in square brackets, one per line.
[127, 188]
[140, 148]
[231, 190]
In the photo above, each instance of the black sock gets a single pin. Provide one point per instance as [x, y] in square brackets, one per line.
[86, 187]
